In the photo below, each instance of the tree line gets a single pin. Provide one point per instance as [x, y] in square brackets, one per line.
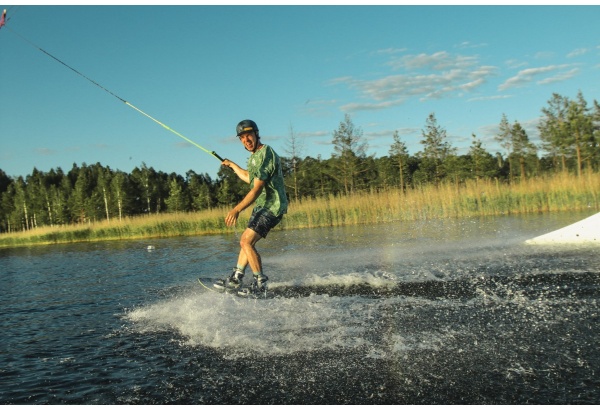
[569, 131]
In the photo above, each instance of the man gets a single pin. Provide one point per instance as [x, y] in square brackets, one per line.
[267, 191]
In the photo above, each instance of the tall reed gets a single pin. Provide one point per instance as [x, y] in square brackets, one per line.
[484, 197]
[561, 192]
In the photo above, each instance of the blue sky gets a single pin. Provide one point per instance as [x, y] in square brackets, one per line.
[201, 69]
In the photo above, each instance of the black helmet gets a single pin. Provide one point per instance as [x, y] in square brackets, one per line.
[245, 126]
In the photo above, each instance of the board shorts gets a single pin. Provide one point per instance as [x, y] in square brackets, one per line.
[262, 221]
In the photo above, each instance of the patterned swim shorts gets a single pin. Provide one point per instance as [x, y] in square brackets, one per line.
[262, 221]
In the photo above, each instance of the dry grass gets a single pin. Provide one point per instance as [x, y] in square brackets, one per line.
[475, 198]
[147, 226]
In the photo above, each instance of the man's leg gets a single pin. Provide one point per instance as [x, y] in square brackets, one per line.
[248, 254]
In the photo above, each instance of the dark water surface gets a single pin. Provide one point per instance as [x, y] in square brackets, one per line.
[436, 312]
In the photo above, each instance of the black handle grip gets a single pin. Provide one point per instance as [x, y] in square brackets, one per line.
[217, 155]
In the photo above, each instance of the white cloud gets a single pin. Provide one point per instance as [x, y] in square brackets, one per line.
[515, 63]
[544, 55]
[378, 134]
[527, 76]
[426, 76]
[314, 134]
[426, 86]
[407, 131]
[560, 77]
[442, 60]
[490, 98]
[45, 151]
[391, 50]
[327, 143]
[577, 52]
[182, 144]
[468, 44]
[370, 106]
[340, 80]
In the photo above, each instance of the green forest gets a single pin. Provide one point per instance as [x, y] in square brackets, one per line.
[570, 142]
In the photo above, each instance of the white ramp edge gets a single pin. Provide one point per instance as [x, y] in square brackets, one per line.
[586, 231]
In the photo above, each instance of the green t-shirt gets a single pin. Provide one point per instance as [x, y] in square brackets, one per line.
[265, 165]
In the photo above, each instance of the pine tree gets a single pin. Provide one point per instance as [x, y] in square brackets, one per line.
[504, 138]
[176, 200]
[522, 147]
[582, 131]
[482, 163]
[436, 150]
[554, 130]
[349, 149]
[294, 148]
[399, 154]
[121, 191]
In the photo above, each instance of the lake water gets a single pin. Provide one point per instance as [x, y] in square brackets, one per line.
[434, 312]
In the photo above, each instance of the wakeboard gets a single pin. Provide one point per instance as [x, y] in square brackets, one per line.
[240, 292]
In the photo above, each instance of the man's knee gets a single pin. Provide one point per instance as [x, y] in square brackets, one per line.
[249, 238]
[244, 243]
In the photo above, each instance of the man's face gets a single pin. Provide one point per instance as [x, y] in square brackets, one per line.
[249, 140]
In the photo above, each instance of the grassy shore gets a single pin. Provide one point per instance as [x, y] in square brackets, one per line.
[561, 192]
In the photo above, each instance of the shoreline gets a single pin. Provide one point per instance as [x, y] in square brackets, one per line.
[560, 193]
